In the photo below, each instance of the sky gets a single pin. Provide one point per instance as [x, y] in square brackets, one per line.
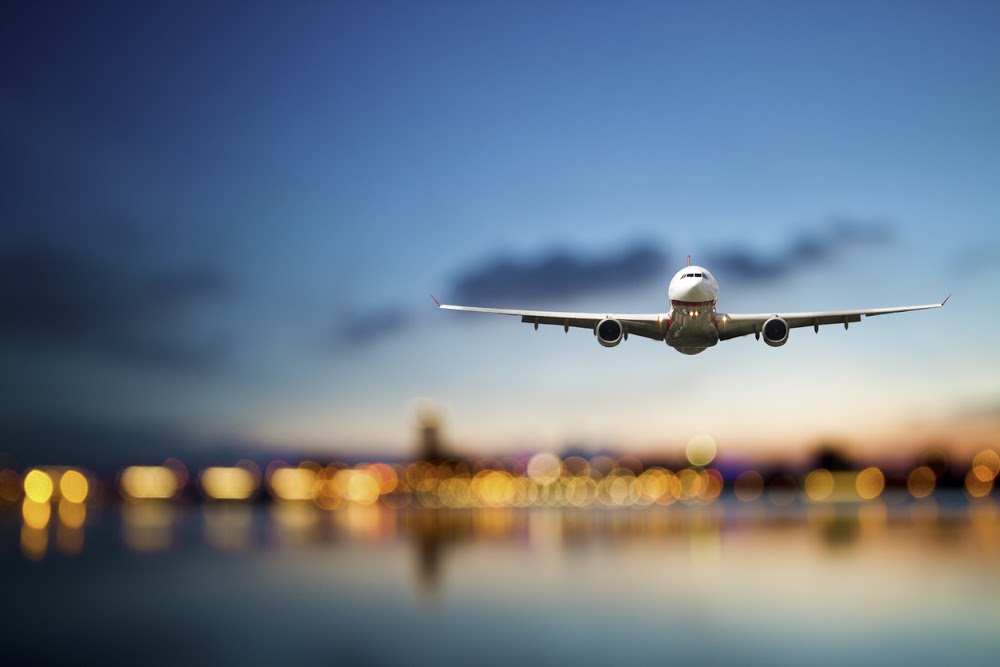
[221, 223]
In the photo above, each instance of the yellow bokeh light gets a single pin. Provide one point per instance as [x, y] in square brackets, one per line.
[701, 449]
[495, 488]
[986, 464]
[654, 483]
[921, 482]
[819, 485]
[362, 488]
[983, 473]
[690, 483]
[619, 489]
[228, 483]
[526, 492]
[149, 482]
[870, 483]
[36, 515]
[455, 492]
[544, 468]
[581, 491]
[38, 486]
[74, 486]
[748, 485]
[976, 486]
[71, 514]
[293, 483]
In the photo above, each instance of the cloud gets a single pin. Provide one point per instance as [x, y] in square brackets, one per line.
[56, 296]
[362, 329]
[805, 249]
[557, 274]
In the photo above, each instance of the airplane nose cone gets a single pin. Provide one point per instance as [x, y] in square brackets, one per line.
[698, 291]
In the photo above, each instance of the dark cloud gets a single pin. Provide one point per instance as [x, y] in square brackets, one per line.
[559, 274]
[806, 249]
[56, 296]
[361, 329]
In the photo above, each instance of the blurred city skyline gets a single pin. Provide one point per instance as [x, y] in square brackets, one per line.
[222, 223]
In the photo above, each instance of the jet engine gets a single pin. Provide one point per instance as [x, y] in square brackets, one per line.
[775, 332]
[609, 332]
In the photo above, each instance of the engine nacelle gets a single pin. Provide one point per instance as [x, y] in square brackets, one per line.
[609, 332]
[775, 332]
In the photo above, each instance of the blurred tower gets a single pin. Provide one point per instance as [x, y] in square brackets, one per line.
[429, 436]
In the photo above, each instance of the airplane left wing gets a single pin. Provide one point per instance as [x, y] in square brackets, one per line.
[648, 326]
[733, 326]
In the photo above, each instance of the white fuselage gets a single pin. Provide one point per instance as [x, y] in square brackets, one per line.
[693, 294]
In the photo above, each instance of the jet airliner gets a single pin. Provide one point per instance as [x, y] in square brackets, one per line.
[692, 324]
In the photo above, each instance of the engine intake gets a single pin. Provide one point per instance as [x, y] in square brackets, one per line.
[775, 332]
[609, 332]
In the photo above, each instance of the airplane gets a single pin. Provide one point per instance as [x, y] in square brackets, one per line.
[692, 324]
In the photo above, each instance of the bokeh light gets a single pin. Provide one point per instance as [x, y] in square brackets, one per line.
[976, 486]
[293, 483]
[544, 468]
[220, 483]
[711, 485]
[921, 482]
[986, 465]
[38, 486]
[73, 486]
[819, 485]
[701, 449]
[362, 487]
[870, 483]
[36, 514]
[690, 484]
[141, 482]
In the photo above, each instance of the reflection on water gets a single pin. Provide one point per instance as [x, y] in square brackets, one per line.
[912, 582]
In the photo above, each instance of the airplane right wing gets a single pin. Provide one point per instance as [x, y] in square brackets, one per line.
[733, 326]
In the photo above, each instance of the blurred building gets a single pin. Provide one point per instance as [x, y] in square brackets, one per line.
[429, 444]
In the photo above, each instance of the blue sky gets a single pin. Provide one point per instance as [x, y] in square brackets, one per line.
[205, 206]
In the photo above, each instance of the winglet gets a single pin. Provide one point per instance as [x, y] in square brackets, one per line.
[946, 299]
[435, 300]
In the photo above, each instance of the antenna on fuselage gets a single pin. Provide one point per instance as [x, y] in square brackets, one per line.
[689, 260]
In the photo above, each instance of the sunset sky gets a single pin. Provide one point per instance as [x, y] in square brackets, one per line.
[222, 223]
